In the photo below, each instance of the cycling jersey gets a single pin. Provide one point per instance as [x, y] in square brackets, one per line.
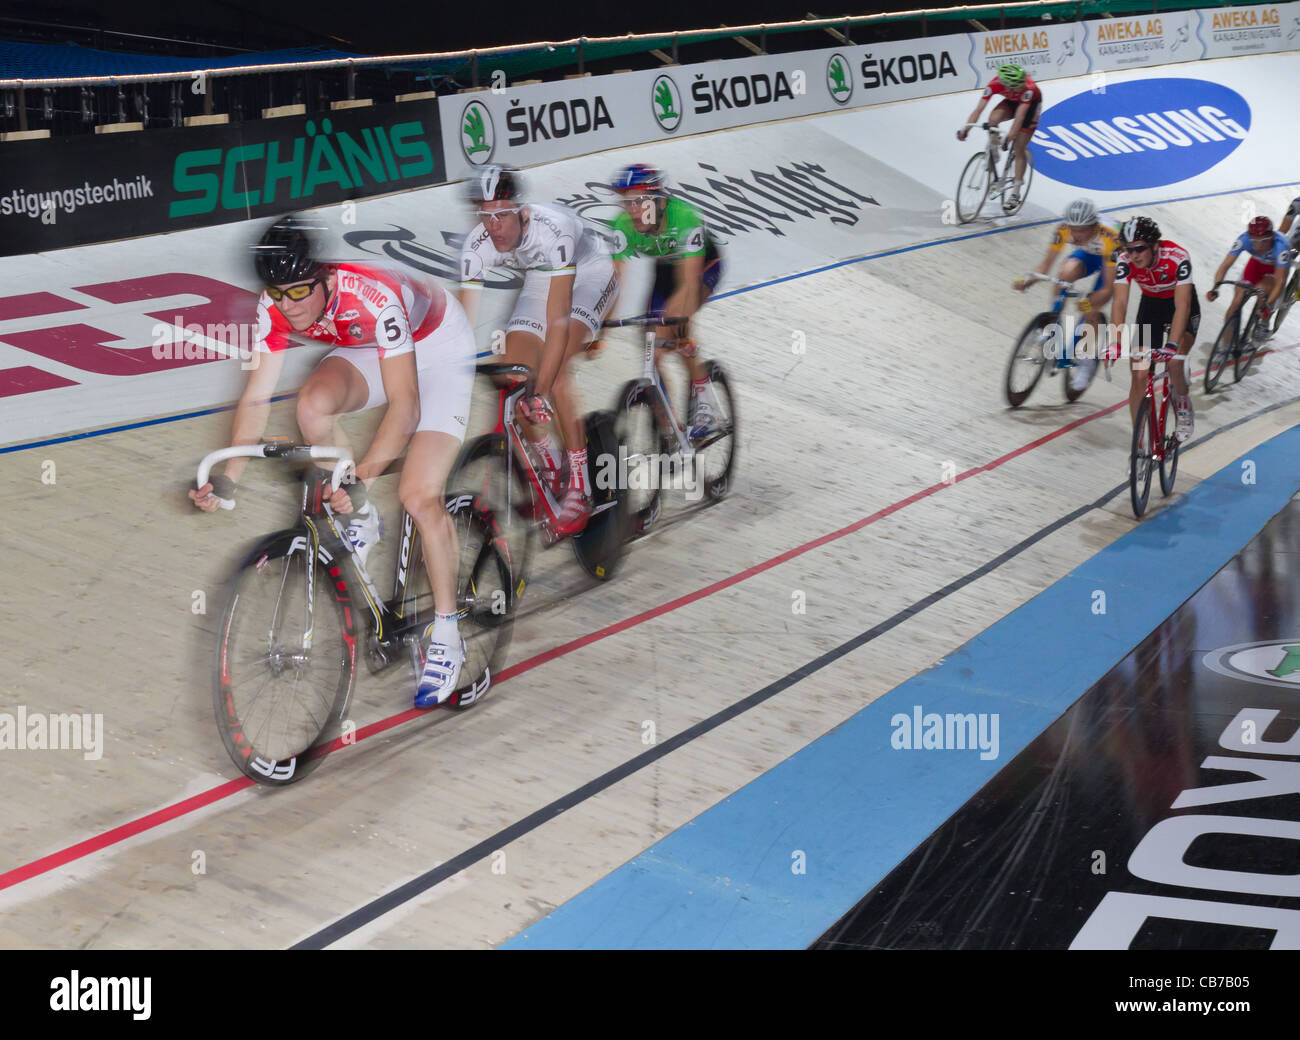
[1105, 243]
[556, 242]
[1171, 267]
[372, 306]
[1028, 91]
[682, 234]
[1277, 254]
[1293, 210]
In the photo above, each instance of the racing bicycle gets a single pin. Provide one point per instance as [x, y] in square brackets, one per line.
[1289, 296]
[301, 607]
[1154, 440]
[1236, 342]
[980, 178]
[655, 448]
[508, 474]
[1041, 346]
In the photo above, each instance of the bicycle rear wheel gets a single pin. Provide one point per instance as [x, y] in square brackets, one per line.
[1029, 357]
[973, 187]
[487, 593]
[286, 661]
[1024, 187]
[715, 452]
[1139, 470]
[1169, 459]
[599, 545]
[1221, 353]
[1249, 345]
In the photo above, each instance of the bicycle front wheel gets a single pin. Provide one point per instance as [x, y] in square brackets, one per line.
[1032, 353]
[973, 188]
[642, 447]
[1221, 353]
[1169, 454]
[286, 661]
[1139, 470]
[1249, 345]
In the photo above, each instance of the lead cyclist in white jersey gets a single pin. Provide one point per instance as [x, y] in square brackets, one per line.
[569, 288]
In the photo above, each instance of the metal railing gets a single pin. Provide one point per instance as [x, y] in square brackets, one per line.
[241, 91]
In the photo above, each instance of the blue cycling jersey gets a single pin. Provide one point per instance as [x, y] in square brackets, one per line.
[1278, 254]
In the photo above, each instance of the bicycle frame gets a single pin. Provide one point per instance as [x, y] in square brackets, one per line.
[390, 624]
[518, 452]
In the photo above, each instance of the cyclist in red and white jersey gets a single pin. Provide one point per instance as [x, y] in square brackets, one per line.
[399, 340]
[1163, 271]
[569, 288]
[1021, 103]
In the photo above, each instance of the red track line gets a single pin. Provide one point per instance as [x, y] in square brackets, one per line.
[188, 805]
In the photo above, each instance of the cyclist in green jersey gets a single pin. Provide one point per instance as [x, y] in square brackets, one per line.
[687, 268]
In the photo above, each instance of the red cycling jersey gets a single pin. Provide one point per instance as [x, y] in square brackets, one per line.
[1028, 92]
[372, 306]
[1171, 268]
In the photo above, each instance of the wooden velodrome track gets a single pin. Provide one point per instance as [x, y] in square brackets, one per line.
[840, 502]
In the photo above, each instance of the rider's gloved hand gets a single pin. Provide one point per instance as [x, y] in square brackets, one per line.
[1212, 295]
[961, 134]
[217, 493]
[1264, 312]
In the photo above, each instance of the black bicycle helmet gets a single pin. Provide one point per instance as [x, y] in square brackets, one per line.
[286, 253]
[494, 184]
[1140, 229]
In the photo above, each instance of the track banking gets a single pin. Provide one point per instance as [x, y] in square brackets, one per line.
[69, 200]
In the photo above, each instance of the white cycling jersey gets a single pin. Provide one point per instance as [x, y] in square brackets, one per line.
[556, 242]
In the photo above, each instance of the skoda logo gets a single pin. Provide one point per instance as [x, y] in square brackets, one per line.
[477, 137]
[1143, 134]
[1276, 663]
[666, 104]
[839, 79]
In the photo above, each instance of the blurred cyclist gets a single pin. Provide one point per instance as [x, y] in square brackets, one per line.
[1095, 250]
[1021, 103]
[1269, 267]
[569, 288]
[1163, 271]
[687, 269]
[400, 340]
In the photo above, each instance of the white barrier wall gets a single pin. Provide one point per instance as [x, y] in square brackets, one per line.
[78, 327]
[544, 122]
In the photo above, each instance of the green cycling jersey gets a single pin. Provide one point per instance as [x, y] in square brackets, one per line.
[682, 235]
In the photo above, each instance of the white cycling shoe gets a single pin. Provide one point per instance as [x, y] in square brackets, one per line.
[1183, 431]
[1081, 374]
[442, 665]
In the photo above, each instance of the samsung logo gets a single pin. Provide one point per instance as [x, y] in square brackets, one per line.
[1142, 134]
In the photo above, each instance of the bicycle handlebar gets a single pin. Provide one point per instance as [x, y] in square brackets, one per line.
[1068, 286]
[1257, 290]
[642, 320]
[277, 450]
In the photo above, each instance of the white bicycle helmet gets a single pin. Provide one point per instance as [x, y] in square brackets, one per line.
[1081, 213]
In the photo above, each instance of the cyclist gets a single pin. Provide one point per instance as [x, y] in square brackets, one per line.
[1269, 266]
[688, 266]
[1289, 226]
[399, 340]
[1163, 271]
[1021, 103]
[1095, 250]
[569, 288]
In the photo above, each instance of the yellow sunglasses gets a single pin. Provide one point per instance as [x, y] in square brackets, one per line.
[294, 292]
